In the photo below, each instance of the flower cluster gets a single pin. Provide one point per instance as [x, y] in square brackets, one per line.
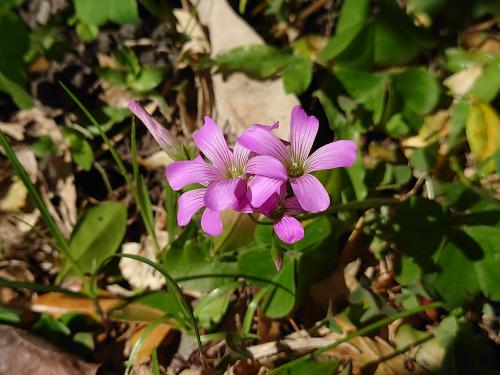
[261, 174]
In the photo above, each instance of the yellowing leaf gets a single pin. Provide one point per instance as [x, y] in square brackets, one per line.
[483, 132]
[162, 334]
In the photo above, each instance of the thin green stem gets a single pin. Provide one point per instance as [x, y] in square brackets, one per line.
[232, 275]
[363, 331]
[102, 133]
[401, 350]
[39, 287]
[357, 205]
[114, 153]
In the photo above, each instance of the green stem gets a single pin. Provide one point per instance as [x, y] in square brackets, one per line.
[357, 205]
[401, 350]
[363, 331]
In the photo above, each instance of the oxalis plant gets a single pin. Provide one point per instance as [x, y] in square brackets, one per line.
[263, 176]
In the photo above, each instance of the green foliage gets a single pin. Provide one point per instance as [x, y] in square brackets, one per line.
[91, 14]
[263, 61]
[12, 50]
[81, 151]
[131, 74]
[98, 235]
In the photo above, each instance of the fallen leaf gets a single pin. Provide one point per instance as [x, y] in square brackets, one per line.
[160, 336]
[24, 353]
[139, 274]
[15, 197]
[58, 304]
[483, 131]
[239, 100]
[460, 83]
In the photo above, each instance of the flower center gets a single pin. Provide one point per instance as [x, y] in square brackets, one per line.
[295, 169]
[235, 172]
[277, 213]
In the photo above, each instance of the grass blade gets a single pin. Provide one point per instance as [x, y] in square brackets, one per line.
[135, 350]
[171, 285]
[61, 242]
[144, 208]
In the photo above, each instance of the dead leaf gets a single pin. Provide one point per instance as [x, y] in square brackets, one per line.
[58, 304]
[27, 158]
[372, 355]
[246, 367]
[15, 198]
[138, 274]
[460, 83]
[239, 100]
[24, 353]
[434, 127]
[197, 43]
[162, 335]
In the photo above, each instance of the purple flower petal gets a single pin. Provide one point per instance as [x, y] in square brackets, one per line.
[242, 202]
[292, 206]
[267, 166]
[289, 230]
[186, 172]
[211, 142]
[189, 203]
[263, 142]
[269, 205]
[333, 155]
[165, 139]
[262, 188]
[311, 195]
[303, 130]
[276, 125]
[220, 195]
[211, 222]
[240, 157]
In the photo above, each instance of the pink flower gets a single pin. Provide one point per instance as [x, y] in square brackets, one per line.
[225, 177]
[168, 142]
[295, 157]
[281, 211]
[191, 202]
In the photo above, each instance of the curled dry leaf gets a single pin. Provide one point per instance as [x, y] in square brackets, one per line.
[24, 353]
[138, 274]
[240, 100]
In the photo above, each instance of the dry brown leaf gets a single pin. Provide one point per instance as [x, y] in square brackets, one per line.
[246, 367]
[24, 353]
[162, 335]
[14, 270]
[372, 355]
[58, 304]
[239, 100]
[139, 274]
[27, 158]
[15, 197]
[197, 43]
[461, 82]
